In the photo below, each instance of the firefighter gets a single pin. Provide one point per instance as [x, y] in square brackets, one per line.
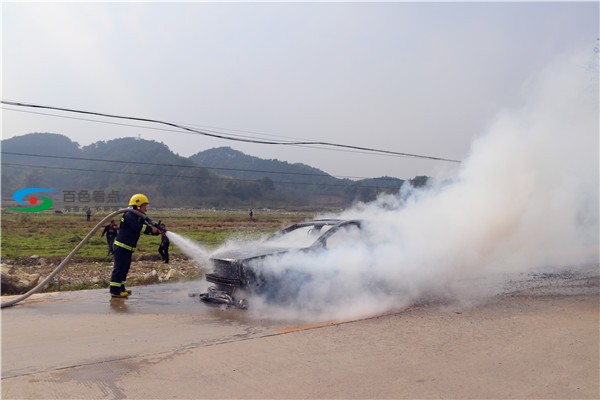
[132, 226]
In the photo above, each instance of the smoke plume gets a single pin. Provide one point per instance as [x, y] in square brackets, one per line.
[525, 198]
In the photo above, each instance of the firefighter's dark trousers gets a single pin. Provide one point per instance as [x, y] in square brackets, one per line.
[164, 253]
[122, 262]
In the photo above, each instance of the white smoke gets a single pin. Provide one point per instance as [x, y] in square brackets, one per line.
[525, 198]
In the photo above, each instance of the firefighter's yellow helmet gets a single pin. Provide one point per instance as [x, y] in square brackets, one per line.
[138, 199]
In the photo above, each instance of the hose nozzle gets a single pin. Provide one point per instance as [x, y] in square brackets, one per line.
[157, 225]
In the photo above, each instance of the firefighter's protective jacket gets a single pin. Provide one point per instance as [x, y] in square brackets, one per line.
[132, 226]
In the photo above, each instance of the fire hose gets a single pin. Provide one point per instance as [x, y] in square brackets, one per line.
[73, 252]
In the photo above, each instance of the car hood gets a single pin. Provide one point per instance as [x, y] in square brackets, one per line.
[247, 253]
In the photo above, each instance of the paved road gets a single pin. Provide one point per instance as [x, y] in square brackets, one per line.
[66, 329]
[163, 344]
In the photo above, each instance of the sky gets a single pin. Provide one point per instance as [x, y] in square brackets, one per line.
[420, 78]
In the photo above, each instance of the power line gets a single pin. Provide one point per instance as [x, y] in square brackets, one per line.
[226, 137]
[189, 133]
[181, 176]
[123, 124]
[180, 166]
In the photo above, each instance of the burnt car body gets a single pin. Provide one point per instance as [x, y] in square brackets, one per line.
[239, 273]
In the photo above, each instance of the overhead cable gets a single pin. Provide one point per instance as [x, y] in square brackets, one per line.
[324, 175]
[215, 178]
[226, 137]
[179, 131]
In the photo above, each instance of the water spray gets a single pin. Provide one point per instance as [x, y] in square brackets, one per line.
[188, 247]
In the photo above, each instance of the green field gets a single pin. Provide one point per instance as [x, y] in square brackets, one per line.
[49, 234]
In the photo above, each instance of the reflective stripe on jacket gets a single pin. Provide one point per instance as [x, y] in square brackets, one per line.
[123, 245]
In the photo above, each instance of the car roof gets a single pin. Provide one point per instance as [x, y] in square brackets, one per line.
[329, 221]
[324, 221]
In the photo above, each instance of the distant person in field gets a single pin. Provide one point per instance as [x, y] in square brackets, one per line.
[88, 213]
[163, 248]
[111, 230]
[251, 214]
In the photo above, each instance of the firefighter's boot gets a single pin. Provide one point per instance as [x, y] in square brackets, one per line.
[128, 291]
[117, 291]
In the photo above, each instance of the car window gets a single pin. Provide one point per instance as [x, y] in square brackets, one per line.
[345, 236]
[302, 237]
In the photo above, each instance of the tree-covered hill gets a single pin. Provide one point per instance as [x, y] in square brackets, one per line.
[220, 178]
[233, 163]
[124, 166]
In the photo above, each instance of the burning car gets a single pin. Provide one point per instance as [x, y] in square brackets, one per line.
[241, 272]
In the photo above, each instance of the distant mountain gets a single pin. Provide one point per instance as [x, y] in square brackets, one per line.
[18, 169]
[293, 178]
[219, 177]
[236, 164]
[148, 164]
[125, 166]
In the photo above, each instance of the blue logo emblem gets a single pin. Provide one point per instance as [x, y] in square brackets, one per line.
[39, 203]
